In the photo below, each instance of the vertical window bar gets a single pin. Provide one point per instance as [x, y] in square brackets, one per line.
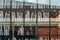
[23, 18]
[49, 18]
[37, 20]
[12, 36]
[3, 8]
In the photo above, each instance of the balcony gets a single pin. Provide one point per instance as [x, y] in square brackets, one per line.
[30, 21]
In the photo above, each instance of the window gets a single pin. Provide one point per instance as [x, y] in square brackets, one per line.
[27, 14]
[33, 14]
[1, 31]
[19, 14]
[7, 14]
[13, 14]
[39, 14]
[6, 30]
[1, 14]
[45, 14]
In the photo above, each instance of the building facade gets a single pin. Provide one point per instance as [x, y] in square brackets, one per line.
[29, 20]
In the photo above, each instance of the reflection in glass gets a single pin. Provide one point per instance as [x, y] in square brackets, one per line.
[40, 38]
[45, 14]
[1, 31]
[13, 15]
[21, 31]
[27, 14]
[55, 2]
[19, 14]
[34, 6]
[1, 14]
[58, 38]
[7, 14]
[39, 15]
[6, 30]
[30, 31]
[27, 31]
[33, 14]
[18, 31]
[43, 31]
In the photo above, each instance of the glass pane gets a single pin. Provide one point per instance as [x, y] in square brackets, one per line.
[30, 20]
[54, 31]
[1, 15]
[43, 31]
[32, 1]
[6, 15]
[19, 0]
[43, 37]
[17, 17]
[17, 4]
[1, 3]
[30, 30]
[5, 32]
[18, 32]
[59, 31]
[30, 4]
[58, 37]
[31, 16]
[6, 3]
[43, 18]
[55, 2]
[54, 37]
[59, 25]
[43, 2]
